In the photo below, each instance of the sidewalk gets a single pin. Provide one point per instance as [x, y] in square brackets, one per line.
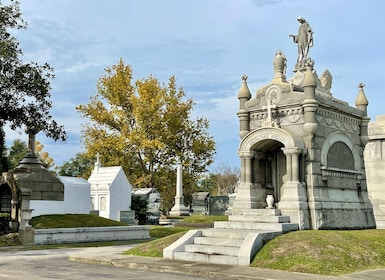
[112, 256]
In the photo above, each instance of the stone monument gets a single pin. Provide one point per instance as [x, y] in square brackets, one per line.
[179, 209]
[304, 146]
[30, 181]
[301, 148]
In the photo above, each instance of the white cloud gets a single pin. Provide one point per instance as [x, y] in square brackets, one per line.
[207, 46]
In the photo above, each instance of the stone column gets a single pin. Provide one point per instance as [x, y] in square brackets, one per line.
[293, 201]
[295, 165]
[179, 209]
[257, 166]
[288, 164]
[246, 196]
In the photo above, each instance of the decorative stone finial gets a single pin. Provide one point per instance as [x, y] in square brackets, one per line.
[309, 80]
[279, 65]
[244, 92]
[361, 100]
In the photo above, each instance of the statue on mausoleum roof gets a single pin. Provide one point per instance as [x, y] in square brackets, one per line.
[304, 39]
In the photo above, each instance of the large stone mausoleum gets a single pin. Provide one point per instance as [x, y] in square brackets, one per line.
[302, 164]
[305, 147]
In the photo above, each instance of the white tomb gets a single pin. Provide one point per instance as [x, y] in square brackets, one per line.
[76, 199]
[110, 191]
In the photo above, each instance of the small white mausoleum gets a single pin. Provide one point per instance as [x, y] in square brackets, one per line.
[110, 191]
[76, 199]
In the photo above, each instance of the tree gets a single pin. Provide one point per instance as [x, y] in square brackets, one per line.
[19, 150]
[143, 127]
[78, 166]
[226, 178]
[24, 87]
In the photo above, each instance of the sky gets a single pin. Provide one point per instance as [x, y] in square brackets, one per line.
[207, 45]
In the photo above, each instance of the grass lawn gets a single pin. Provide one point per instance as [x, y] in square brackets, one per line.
[71, 220]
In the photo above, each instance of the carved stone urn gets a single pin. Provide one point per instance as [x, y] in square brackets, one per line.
[270, 201]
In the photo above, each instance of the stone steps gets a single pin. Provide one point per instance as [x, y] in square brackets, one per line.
[284, 227]
[225, 233]
[259, 219]
[215, 241]
[217, 259]
[234, 242]
[256, 212]
[212, 250]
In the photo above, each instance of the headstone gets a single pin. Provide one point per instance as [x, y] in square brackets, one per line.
[218, 205]
[127, 217]
[200, 202]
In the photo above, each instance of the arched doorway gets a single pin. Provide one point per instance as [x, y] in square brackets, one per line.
[269, 167]
[272, 162]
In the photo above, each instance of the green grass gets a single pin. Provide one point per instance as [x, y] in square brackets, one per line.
[71, 221]
[155, 247]
[200, 221]
[326, 252]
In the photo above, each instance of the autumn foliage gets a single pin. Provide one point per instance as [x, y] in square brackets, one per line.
[143, 126]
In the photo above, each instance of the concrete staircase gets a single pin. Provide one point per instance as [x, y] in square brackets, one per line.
[234, 242]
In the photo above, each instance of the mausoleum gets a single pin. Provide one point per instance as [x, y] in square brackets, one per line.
[110, 191]
[304, 146]
[302, 164]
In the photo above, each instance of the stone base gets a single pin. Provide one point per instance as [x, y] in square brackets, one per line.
[179, 209]
[249, 196]
[27, 236]
[351, 216]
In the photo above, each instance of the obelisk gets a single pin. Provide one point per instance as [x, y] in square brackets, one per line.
[179, 209]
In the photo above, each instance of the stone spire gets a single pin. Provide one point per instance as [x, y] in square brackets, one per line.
[310, 104]
[361, 101]
[243, 96]
[31, 160]
[244, 92]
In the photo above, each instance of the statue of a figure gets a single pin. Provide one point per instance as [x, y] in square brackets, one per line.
[304, 39]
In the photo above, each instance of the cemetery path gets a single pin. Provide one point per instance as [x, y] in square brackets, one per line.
[109, 263]
[54, 264]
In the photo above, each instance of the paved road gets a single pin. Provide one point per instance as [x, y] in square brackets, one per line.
[54, 264]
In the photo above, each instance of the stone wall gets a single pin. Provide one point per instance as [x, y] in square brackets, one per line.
[375, 166]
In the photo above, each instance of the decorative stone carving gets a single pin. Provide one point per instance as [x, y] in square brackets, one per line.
[279, 65]
[326, 80]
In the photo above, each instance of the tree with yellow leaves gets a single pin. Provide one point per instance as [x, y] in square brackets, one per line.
[144, 126]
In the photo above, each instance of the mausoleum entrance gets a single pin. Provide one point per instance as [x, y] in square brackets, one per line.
[272, 162]
[269, 167]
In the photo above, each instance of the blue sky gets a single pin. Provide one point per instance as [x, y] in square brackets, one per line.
[208, 45]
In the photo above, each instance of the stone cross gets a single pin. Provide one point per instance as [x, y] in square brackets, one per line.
[97, 164]
[269, 120]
